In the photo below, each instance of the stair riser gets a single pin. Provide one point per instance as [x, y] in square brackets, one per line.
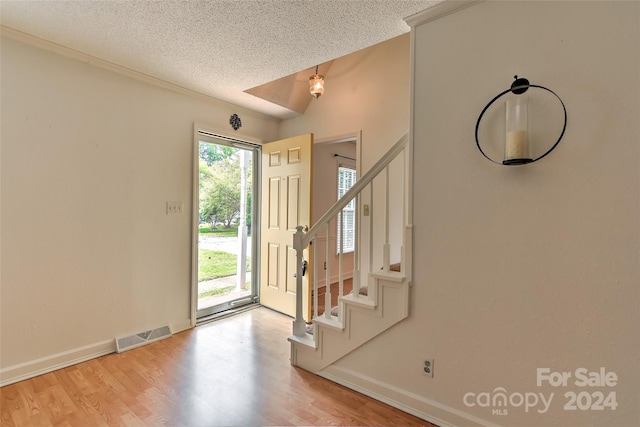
[360, 324]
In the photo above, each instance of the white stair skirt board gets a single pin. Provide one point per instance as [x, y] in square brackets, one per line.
[360, 323]
[142, 338]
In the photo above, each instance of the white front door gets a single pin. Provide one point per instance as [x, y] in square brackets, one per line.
[286, 203]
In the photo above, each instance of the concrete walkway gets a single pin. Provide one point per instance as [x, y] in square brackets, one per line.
[223, 244]
[222, 282]
[219, 283]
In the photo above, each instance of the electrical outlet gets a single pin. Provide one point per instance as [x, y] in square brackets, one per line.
[325, 265]
[426, 366]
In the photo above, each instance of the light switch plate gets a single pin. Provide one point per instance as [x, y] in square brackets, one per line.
[174, 208]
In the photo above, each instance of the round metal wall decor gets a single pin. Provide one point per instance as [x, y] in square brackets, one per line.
[235, 122]
[518, 87]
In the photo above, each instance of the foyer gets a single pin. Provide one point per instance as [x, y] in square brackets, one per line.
[231, 372]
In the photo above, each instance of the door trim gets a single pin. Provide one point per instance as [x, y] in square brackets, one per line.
[349, 136]
[241, 141]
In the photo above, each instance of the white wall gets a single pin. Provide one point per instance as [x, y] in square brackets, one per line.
[89, 160]
[519, 268]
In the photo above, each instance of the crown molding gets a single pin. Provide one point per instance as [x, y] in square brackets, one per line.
[77, 55]
[438, 11]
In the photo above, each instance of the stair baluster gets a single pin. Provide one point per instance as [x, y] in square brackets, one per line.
[327, 282]
[302, 240]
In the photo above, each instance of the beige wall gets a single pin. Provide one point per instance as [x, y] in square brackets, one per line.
[367, 92]
[89, 160]
[325, 194]
[519, 268]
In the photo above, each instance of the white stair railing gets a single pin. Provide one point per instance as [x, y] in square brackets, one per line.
[302, 239]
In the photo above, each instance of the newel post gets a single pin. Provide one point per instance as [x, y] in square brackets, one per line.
[299, 325]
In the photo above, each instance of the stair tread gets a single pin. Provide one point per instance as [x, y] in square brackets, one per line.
[332, 322]
[307, 340]
[340, 338]
[363, 302]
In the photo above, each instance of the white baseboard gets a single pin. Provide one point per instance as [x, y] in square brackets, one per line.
[411, 403]
[181, 326]
[44, 365]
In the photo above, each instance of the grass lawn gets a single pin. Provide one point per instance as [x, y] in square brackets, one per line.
[220, 231]
[218, 291]
[214, 264]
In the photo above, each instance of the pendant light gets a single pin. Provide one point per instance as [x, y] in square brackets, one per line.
[316, 84]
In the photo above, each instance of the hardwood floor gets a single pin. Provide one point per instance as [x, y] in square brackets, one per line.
[234, 371]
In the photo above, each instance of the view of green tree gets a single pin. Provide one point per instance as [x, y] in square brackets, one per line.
[212, 153]
[209, 210]
[219, 185]
[205, 174]
[223, 197]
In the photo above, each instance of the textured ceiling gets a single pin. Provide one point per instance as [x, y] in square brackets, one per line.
[218, 48]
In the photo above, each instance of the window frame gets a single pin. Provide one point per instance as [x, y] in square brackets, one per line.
[349, 210]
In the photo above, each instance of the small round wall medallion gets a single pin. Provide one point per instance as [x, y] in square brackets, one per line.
[235, 122]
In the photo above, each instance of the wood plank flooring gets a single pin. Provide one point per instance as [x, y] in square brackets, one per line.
[231, 372]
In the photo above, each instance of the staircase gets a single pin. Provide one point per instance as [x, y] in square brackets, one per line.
[380, 295]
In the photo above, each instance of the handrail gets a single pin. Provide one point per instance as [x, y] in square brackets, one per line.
[302, 239]
[356, 188]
